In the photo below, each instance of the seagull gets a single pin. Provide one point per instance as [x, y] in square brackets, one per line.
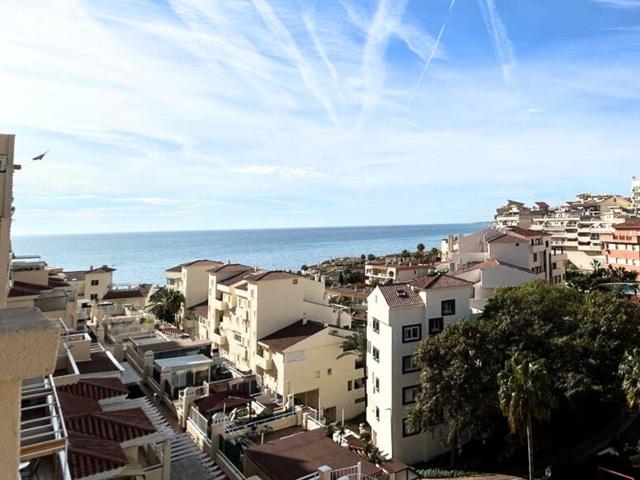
[39, 157]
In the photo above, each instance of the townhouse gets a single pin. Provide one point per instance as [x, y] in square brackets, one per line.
[399, 317]
[279, 326]
[91, 284]
[394, 272]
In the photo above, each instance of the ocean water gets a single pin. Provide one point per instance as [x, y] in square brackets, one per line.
[143, 257]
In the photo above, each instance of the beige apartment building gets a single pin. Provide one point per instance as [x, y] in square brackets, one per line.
[279, 326]
[91, 284]
[400, 316]
[6, 211]
[394, 272]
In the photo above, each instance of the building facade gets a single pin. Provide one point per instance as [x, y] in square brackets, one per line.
[399, 317]
[622, 247]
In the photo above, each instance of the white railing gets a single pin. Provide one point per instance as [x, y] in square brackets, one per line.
[199, 421]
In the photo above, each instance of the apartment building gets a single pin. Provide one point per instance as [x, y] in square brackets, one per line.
[279, 326]
[575, 227]
[394, 272]
[635, 195]
[399, 317]
[91, 284]
[34, 284]
[135, 296]
[622, 247]
[7, 167]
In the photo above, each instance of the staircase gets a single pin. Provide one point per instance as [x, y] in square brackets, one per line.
[189, 462]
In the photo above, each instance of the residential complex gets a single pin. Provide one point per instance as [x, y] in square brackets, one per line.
[91, 284]
[384, 272]
[622, 247]
[575, 227]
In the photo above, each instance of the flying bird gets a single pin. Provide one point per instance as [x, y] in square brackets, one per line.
[39, 157]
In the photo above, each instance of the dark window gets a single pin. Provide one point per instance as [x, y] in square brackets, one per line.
[407, 430]
[377, 413]
[93, 296]
[349, 385]
[411, 333]
[95, 282]
[435, 325]
[535, 257]
[376, 325]
[448, 307]
[409, 394]
[377, 385]
[407, 364]
[376, 354]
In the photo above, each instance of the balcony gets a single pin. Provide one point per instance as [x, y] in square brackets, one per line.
[218, 337]
[265, 361]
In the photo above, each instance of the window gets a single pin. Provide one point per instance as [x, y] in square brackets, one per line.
[535, 257]
[317, 374]
[435, 325]
[407, 429]
[329, 371]
[95, 283]
[377, 413]
[411, 333]
[377, 385]
[448, 307]
[349, 385]
[295, 281]
[376, 354]
[407, 364]
[360, 400]
[376, 325]
[409, 394]
[93, 296]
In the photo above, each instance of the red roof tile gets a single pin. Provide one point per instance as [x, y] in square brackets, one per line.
[491, 263]
[440, 280]
[74, 405]
[96, 388]
[525, 232]
[218, 401]
[292, 334]
[89, 455]
[400, 295]
[230, 267]
[203, 261]
[117, 426]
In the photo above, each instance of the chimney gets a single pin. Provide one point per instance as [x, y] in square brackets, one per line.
[90, 267]
[304, 318]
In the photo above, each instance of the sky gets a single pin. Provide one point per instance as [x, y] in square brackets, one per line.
[216, 114]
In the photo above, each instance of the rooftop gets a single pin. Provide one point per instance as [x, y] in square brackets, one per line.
[96, 388]
[400, 295]
[230, 267]
[301, 454]
[202, 261]
[272, 275]
[439, 280]
[219, 401]
[184, 361]
[79, 274]
[138, 291]
[291, 334]
[491, 263]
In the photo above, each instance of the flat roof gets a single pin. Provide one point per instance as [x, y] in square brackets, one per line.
[185, 361]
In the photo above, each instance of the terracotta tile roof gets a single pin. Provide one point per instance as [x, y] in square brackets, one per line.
[491, 263]
[74, 405]
[418, 266]
[218, 401]
[202, 261]
[542, 204]
[292, 334]
[525, 232]
[201, 309]
[230, 267]
[79, 274]
[439, 280]
[628, 224]
[90, 456]
[96, 388]
[301, 454]
[272, 275]
[400, 295]
[241, 275]
[117, 426]
[140, 291]
[100, 362]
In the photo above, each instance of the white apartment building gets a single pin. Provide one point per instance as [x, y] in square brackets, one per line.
[635, 195]
[399, 317]
[279, 326]
[91, 284]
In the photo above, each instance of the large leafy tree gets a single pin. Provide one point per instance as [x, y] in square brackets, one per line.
[582, 336]
[629, 370]
[165, 303]
[525, 396]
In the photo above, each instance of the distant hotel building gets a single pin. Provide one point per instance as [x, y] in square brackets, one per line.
[622, 247]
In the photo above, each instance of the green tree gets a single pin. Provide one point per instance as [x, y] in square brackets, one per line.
[371, 257]
[420, 247]
[629, 370]
[165, 303]
[525, 396]
[363, 257]
[355, 344]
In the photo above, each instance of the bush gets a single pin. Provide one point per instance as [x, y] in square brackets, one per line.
[442, 473]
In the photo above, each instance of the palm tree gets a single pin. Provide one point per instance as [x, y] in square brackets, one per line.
[629, 370]
[165, 303]
[525, 395]
[355, 344]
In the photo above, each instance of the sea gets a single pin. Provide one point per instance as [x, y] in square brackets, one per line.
[144, 256]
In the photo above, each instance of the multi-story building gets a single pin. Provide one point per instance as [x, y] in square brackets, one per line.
[279, 326]
[635, 195]
[394, 272]
[6, 211]
[575, 227]
[399, 317]
[91, 284]
[622, 247]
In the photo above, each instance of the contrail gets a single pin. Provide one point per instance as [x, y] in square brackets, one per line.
[497, 30]
[431, 55]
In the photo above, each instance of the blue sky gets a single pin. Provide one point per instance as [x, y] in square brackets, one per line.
[205, 114]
